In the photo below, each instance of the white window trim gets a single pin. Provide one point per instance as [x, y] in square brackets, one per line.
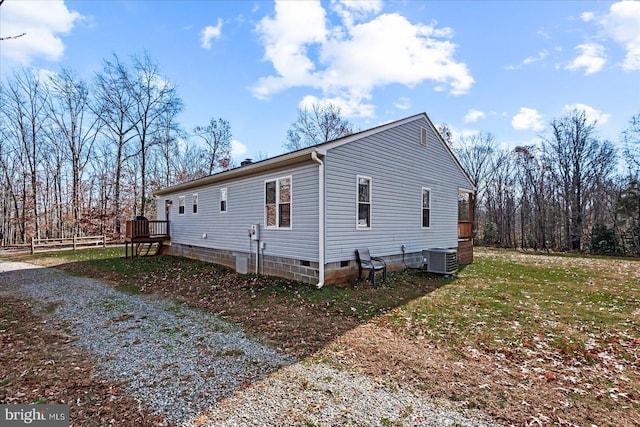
[422, 208]
[264, 187]
[358, 226]
[226, 200]
[195, 203]
[181, 203]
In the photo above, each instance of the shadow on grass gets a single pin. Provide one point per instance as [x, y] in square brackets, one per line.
[291, 316]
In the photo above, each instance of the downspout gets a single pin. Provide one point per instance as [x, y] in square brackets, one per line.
[321, 244]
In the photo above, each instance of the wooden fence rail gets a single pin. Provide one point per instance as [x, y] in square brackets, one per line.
[70, 242]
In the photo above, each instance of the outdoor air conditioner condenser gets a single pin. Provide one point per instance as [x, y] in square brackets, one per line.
[440, 260]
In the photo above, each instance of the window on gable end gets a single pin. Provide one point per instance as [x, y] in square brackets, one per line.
[426, 208]
[195, 203]
[223, 200]
[364, 203]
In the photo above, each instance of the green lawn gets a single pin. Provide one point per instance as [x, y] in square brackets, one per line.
[519, 303]
[520, 336]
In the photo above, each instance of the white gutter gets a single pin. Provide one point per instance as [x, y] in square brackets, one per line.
[321, 244]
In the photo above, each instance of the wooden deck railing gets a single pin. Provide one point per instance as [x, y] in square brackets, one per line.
[465, 230]
[137, 228]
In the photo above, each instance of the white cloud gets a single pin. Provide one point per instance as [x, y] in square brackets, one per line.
[587, 16]
[473, 116]
[592, 114]
[238, 149]
[43, 23]
[622, 24]
[45, 76]
[210, 33]
[530, 60]
[592, 58]
[458, 135]
[355, 10]
[403, 103]
[352, 59]
[543, 33]
[349, 107]
[527, 119]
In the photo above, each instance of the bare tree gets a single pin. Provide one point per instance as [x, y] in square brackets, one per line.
[169, 150]
[631, 139]
[532, 179]
[445, 132]
[578, 162]
[152, 98]
[25, 114]
[17, 36]
[500, 199]
[190, 164]
[114, 103]
[322, 123]
[475, 153]
[217, 138]
[77, 127]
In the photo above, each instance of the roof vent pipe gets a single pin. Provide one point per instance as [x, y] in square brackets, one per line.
[246, 162]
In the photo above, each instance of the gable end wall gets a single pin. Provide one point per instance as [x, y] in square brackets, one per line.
[399, 167]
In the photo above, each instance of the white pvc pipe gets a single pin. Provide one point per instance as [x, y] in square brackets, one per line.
[321, 243]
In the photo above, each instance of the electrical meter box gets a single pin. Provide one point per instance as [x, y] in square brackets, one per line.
[254, 231]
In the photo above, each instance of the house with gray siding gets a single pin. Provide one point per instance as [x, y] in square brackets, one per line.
[396, 189]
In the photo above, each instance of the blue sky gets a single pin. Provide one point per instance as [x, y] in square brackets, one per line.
[503, 67]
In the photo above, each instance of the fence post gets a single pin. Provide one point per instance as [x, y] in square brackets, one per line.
[74, 242]
[104, 241]
[33, 245]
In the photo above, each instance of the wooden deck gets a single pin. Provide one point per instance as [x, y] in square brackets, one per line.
[143, 234]
[465, 230]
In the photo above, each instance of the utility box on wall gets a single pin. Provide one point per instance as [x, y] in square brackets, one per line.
[254, 231]
[242, 264]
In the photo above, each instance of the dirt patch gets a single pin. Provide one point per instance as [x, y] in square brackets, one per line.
[41, 365]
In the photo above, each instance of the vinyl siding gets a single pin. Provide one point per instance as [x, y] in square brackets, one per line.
[245, 206]
[399, 167]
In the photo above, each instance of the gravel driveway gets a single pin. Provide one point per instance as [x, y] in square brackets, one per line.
[196, 369]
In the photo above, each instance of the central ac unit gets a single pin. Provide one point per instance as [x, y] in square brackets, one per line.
[440, 260]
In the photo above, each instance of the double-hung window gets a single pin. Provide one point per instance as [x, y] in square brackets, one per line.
[181, 205]
[195, 203]
[278, 203]
[426, 207]
[364, 203]
[223, 200]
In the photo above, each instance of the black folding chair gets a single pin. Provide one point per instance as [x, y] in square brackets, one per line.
[373, 264]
